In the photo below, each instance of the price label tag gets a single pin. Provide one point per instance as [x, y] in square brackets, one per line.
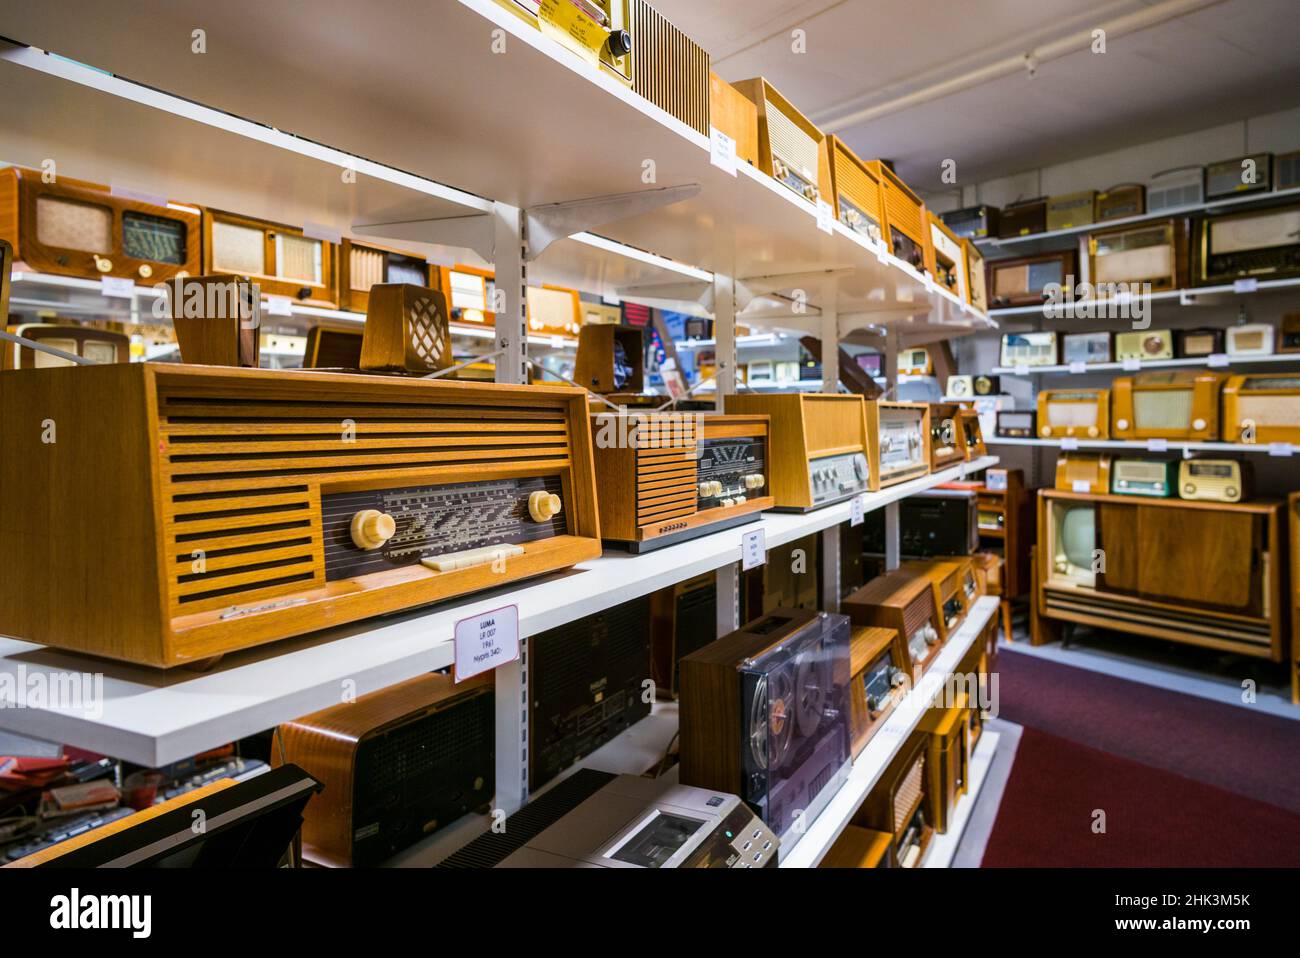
[825, 217]
[279, 306]
[1249, 285]
[1078, 367]
[753, 549]
[857, 509]
[722, 151]
[1022, 369]
[485, 641]
[1157, 445]
[1123, 297]
[557, 342]
[116, 288]
[1217, 360]
[1081, 485]
[1132, 365]
[1069, 444]
[1284, 449]
[882, 254]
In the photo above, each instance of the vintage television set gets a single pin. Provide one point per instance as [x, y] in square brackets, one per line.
[820, 448]
[1088, 348]
[1176, 189]
[1017, 424]
[75, 228]
[1214, 480]
[90, 344]
[736, 115]
[281, 259]
[765, 715]
[683, 618]
[896, 806]
[1258, 244]
[977, 290]
[363, 264]
[973, 222]
[856, 189]
[947, 762]
[1023, 218]
[881, 677]
[1084, 472]
[1145, 344]
[1199, 342]
[1121, 202]
[1262, 408]
[946, 435]
[1156, 253]
[1157, 478]
[1239, 176]
[902, 600]
[947, 259]
[905, 219]
[1040, 348]
[1071, 210]
[1074, 413]
[1024, 281]
[1067, 538]
[899, 434]
[446, 488]
[469, 292]
[1181, 404]
[396, 765]
[1250, 340]
[791, 149]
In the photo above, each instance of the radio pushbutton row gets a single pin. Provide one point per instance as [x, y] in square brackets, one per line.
[372, 528]
[543, 505]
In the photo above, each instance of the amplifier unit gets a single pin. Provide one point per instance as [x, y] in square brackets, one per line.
[1030, 349]
[683, 618]
[1290, 339]
[1195, 343]
[1080, 472]
[978, 292]
[259, 504]
[74, 228]
[1071, 210]
[280, 259]
[881, 678]
[1144, 345]
[362, 265]
[1088, 348]
[936, 522]
[1250, 339]
[1121, 202]
[1238, 176]
[902, 600]
[900, 443]
[947, 259]
[973, 222]
[1214, 480]
[1024, 281]
[1143, 477]
[1075, 413]
[1262, 408]
[1023, 218]
[1155, 253]
[791, 149]
[469, 293]
[946, 440]
[1261, 244]
[1176, 189]
[820, 448]
[735, 115]
[856, 188]
[668, 68]
[587, 682]
[947, 734]
[396, 765]
[96, 345]
[971, 435]
[1166, 405]
[1017, 424]
[765, 715]
[897, 806]
[905, 222]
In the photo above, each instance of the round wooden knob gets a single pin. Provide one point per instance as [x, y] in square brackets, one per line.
[1121, 424]
[542, 505]
[145, 270]
[372, 528]
[103, 264]
[1198, 424]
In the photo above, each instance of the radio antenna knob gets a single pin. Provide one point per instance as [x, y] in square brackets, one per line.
[372, 528]
[543, 505]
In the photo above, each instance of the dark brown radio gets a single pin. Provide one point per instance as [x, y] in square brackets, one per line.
[1023, 218]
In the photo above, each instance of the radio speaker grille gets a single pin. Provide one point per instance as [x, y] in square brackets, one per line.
[857, 185]
[668, 68]
[909, 793]
[791, 143]
[903, 214]
[1162, 409]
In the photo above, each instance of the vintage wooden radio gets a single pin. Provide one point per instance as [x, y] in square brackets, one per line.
[1166, 405]
[407, 330]
[1261, 244]
[1262, 408]
[947, 759]
[1156, 478]
[1239, 176]
[946, 439]
[856, 189]
[1081, 472]
[363, 264]
[947, 259]
[1017, 424]
[915, 362]
[971, 435]
[1145, 344]
[217, 320]
[74, 228]
[1287, 171]
[1176, 189]
[92, 345]
[896, 805]
[1030, 349]
[598, 31]
[610, 360]
[735, 115]
[1088, 348]
[973, 222]
[662, 482]
[397, 764]
[1024, 281]
[881, 678]
[260, 504]
[280, 259]
[1155, 253]
[905, 222]
[332, 347]
[6, 277]
[468, 290]
[668, 68]
[1122, 201]
[900, 443]
[1250, 340]
[948, 578]
[859, 847]
[765, 715]
[1199, 342]
[1214, 480]
[791, 149]
[1289, 341]
[554, 311]
[1023, 218]
[1074, 413]
[601, 314]
[903, 600]
[683, 618]
[977, 291]
[820, 448]
[1071, 210]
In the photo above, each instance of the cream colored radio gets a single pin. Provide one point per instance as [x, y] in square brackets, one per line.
[1262, 408]
[1030, 349]
[1146, 345]
[947, 259]
[903, 451]
[1213, 480]
[1166, 405]
[915, 362]
[1074, 413]
[1155, 253]
[1252, 339]
[791, 149]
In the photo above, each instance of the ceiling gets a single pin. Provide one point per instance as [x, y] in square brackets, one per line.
[1169, 67]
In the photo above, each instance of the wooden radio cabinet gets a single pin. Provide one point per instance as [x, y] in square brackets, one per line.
[947, 760]
[896, 805]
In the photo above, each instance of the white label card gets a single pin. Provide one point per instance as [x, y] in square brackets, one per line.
[1081, 485]
[1157, 445]
[279, 306]
[1284, 449]
[857, 509]
[722, 151]
[1217, 360]
[1248, 285]
[557, 342]
[1132, 365]
[753, 549]
[1022, 369]
[485, 641]
[1069, 444]
[1078, 367]
[825, 217]
[116, 288]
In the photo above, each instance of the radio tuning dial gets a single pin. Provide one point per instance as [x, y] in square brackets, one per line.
[1198, 424]
[1093, 431]
[1121, 424]
[103, 264]
[145, 270]
[372, 528]
[543, 505]
[1046, 430]
[620, 43]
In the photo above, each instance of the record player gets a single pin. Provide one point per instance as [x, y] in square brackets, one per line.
[765, 715]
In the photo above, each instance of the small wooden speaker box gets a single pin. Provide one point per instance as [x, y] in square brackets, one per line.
[902, 600]
[1080, 472]
[95, 345]
[611, 359]
[947, 761]
[735, 115]
[217, 320]
[407, 330]
[896, 805]
[397, 765]
[881, 677]
[281, 259]
[363, 265]
[331, 347]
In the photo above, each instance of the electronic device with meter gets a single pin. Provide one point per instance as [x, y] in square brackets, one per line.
[901, 443]
[1262, 408]
[1239, 176]
[1074, 413]
[881, 675]
[1030, 349]
[1214, 480]
[961, 387]
[791, 149]
[1259, 244]
[1156, 478]
[1181, 404]
[1144, 345]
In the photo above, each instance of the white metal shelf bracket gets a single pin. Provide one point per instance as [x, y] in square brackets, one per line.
[669, 295]
[475, 232]
[554, 221]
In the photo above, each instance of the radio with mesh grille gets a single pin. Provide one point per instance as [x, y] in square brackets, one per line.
[1174, 405]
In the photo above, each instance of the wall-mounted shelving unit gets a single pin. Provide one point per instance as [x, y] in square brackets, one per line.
[1150, 445]
[1142, 365]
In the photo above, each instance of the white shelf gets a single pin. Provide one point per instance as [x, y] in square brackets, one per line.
[1145, 365]
[885, 743]
[943, 848]
[1273, 449]
[1180, 297]
[151, 716]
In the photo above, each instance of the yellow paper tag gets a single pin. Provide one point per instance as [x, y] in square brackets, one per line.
[563, 21]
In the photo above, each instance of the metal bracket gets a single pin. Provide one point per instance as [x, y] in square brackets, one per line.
[475, 232]
[545, 224]
[671, 296]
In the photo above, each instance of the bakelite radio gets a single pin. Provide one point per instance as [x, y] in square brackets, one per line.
[1261, 244]
[468, 290]
[1074, 413]
[1017, 424]
[856, 188]
[946, 438]
[735, 114]
[973, 222]
[1146, 344]
[1214, 480]
[1087, 348]
[93, 345]
[1239, 176]
[971, 435]
[1156, 478]
[683, 619]
[791, 149]
[1176, 189]
[396, 765]
[1166, 405]
[897, 806]
[946, 259]
[74, 228]
[1081, 472]
[280, 259]
[915, 362]
[363, 265]
[977, 290]
[1121, 202]
[1024, 281]
[902, 600]
[1071, 210]
[1030, 349]
[1155, 253]
[662, 482]
[899, 436]
[947, 762]
[1195, 343]
[881, 677]
[820, 448]
[1262, 408]
[1023, 218]
[259, 504]
[1250, 340]
[905, 220]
